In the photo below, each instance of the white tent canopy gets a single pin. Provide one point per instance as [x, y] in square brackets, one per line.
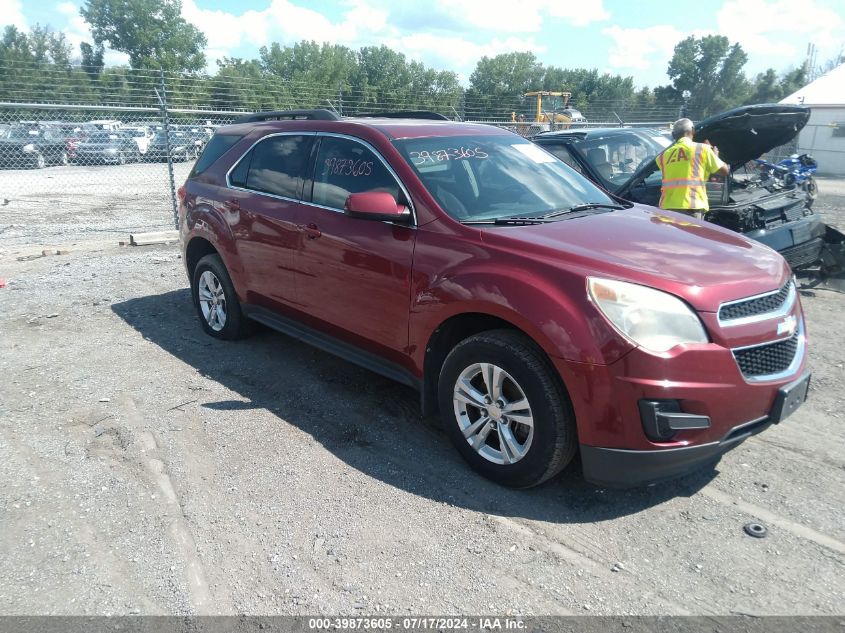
[829, 89]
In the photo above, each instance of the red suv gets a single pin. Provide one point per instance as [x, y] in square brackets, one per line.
[540, 316]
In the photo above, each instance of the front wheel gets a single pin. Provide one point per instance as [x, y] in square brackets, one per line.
[215, 300]
[505, 410]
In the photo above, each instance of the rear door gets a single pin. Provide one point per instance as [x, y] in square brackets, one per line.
[263, 200]
[354, 275]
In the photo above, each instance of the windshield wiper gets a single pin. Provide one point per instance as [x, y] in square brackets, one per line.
[585, 207]
[511, 220]
[548, 217]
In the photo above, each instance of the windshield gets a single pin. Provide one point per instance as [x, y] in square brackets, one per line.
[489, 177]
[615, 157]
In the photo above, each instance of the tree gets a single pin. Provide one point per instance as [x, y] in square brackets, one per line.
[710, 68]
[152, 32]
[497, 84]
[769, 87]
[92, 59]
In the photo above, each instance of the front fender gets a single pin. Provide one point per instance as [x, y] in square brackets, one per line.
[551, 309]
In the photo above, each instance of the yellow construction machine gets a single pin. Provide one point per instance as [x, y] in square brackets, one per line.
[548, 106]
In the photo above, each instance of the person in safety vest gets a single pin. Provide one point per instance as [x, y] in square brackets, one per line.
[686, 166]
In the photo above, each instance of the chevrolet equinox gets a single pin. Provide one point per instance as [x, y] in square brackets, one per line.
[540, 316]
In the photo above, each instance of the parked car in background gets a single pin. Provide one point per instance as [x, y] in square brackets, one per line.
[768, 208]
[142, 135]
[104, 124]
[108, 147]
[72, 133]
[182, 147]
[32, 146]
[538, 314]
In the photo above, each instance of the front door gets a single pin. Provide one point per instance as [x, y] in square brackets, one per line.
[354, 275]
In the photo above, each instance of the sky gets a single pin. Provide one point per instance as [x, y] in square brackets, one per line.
[631, 38]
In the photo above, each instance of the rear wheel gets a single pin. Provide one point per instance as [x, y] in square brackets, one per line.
[217, 305]
[505, 410]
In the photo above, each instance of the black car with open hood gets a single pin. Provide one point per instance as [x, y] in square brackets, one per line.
[746, 133]
[765, 207]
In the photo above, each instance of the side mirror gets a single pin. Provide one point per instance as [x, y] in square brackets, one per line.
[376, 205]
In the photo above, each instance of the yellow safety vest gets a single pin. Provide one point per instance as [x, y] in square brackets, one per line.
[686, 166]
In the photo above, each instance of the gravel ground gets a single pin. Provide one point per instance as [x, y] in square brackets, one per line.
[150, 469]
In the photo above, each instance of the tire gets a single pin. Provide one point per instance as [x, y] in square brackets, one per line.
[211, 274]
[544, 448]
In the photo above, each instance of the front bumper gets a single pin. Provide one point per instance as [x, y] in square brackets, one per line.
[623, 468]
[717, 405]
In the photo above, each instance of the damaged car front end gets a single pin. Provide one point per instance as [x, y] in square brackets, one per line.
[764, 205]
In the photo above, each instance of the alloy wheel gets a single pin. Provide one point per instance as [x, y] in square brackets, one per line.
[493, 413]
[212, 300]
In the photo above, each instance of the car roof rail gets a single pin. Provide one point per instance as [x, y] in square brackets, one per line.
[404, 114]
[317, 114]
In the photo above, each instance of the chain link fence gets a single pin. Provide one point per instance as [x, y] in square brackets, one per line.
[84, 156]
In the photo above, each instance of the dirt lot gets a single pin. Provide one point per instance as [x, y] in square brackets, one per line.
[149, 469]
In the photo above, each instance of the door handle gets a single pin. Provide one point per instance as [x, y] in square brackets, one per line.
[232, 205]
[312, 231]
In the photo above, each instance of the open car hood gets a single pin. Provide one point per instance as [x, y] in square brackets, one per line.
[748, 132]
[741, 134]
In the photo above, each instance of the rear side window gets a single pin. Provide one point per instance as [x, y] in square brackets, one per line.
[216, 147]
[278, 164]
[345, 166]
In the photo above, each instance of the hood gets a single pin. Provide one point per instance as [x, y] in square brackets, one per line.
[700, 262]
[748, 132]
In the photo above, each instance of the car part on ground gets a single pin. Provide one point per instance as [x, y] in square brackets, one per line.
[522, 301]
[769, 206]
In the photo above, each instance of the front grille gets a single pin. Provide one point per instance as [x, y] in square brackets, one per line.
[804, 254]
[756, 306]
[768, 359]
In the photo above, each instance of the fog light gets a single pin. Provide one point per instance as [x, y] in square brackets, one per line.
[663, 418]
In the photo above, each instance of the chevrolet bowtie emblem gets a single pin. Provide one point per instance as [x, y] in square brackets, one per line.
[788, 325]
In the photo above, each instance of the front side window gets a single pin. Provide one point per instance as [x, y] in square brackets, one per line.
[488, 177]
[616, 157]
[345, 166]
[562, 152]
[278, 165]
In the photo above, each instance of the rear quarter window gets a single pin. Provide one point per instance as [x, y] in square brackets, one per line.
[216, 147]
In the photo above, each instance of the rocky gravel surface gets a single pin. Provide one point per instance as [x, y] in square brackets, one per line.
[148, 469]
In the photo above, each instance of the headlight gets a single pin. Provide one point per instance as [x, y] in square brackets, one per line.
[650, 318]
[29, 147]
[111, 150]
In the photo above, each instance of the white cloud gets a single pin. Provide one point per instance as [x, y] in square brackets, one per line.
[579, 14]
[769, 27]
[76, 31]
[642, 48]
[508, 17]
[11, 13]
[457, 53]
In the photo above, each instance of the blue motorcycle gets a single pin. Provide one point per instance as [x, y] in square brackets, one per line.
[795, 170]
